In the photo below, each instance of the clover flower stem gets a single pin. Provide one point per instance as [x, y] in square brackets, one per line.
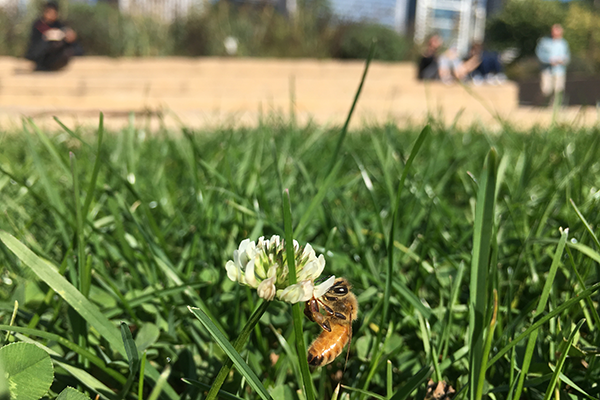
[296, 311]
[238, 345]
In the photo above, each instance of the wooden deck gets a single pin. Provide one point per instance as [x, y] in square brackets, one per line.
[211, 91]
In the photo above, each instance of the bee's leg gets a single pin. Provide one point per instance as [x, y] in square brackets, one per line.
[323, 321]
[330, 311]
[311, 310]
[339, 315]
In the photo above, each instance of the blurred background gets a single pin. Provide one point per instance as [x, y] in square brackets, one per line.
[339, 29]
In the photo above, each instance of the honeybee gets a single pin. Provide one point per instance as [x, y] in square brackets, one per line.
[340, 307]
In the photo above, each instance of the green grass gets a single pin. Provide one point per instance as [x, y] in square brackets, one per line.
[136, 227]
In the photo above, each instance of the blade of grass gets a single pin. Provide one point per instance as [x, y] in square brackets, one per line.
[52, 150]
[297, 315]
[204, 386]
[541, 321]
[290, 353]
[428, 348]
[561, 362]
[132, 356]
[71, 132]
[405, 390]
[239, 344]
[316, 200]
[84, 276]
[588, 301]
[444, 341]
[389, 391]
[370, 395]
[68, 292]
[92, 184]
[585, 223]
[556, 260]
[487, 348]
[239, 362]
[141, 380]
[569, 382]
[482, 237]
[338, 146]
[160, 383]
[390, 247]
[396, 210]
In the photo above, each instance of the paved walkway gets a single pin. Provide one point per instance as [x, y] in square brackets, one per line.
[211, 91]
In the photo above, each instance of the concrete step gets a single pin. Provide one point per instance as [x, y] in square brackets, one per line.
[320, 89]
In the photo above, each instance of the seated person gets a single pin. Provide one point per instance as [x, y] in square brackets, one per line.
[452, 67]
[488, 66]
[428, 63]
[51, 44]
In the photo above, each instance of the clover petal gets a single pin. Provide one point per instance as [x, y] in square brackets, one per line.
[233, 271]
[322, 288]
[266, 289]
[250, 277]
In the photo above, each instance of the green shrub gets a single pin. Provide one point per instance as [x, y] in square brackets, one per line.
[103, 30]
[98, 28]
[14, 33]
[190, 35]
[522, 23]
[515, 27]
[260, 31]
[354, 40]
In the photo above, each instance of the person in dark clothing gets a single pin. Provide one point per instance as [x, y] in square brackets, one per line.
[428, 63]
[488, 67]
[52, 44]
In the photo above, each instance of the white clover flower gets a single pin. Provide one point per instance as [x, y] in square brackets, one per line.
[263, 266]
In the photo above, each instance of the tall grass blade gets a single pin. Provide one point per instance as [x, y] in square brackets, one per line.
[585, 223]
[413, 383]
[160, 383]
[204, 386]
[487, 348]
[370, 395]
[92, 184]
[556, 260]
[589, 302]
[561, 361]
[338, 146]
[390, 246]
[132, 356]
[536, 325]
[316, 200]
[239, 344]
[142, 370]
[297, 315]
[68, 292]
[238, 361]
[52, 150]
[482, 237]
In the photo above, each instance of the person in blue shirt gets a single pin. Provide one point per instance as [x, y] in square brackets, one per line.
[554, 55]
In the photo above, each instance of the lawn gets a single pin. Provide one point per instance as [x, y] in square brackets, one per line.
[106, 238]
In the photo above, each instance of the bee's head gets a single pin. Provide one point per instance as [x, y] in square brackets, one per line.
[341, 287]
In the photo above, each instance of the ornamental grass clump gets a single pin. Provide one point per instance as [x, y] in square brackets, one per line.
[263, 266]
